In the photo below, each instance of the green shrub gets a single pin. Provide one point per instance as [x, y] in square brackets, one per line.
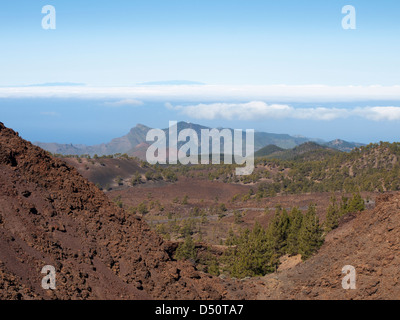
[186, 249]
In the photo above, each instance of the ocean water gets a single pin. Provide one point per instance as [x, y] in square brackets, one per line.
[91, 121]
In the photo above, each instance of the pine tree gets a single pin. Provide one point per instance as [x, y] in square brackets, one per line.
[332, 216]
[278, 230]
[253, 254]
[232, 239]
[310, 235]
[356, 203]
[257, 252]
[213, 267]
[186, 249]
[296, 219]
[344, 207]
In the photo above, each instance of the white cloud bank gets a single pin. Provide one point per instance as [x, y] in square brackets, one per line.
[230, 109]
[378, 113]
[124, 102]
[260, 110]
[203, 93]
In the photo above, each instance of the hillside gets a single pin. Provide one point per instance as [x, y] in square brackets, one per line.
[342, 145]
[127, 143]
[267, 150]
[104, 171]
[134, 143]
[368, 241]
[306, 151]
[373, 168]
[51, 215]
[307, 168]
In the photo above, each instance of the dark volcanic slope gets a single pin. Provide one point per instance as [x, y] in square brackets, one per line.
[50, 215]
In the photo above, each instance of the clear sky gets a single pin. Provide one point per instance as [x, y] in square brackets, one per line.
[121, 42]
[282, 66]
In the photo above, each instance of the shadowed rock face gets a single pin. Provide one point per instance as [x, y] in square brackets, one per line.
[51, 215]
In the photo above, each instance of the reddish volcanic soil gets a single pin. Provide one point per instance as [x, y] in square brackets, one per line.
[51, 215]
[203, 193]
[196, 189]
[368, 241]
[104, 170]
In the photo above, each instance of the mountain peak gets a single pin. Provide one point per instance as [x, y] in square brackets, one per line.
[137, 136]
[308, 145]
[338, 141]
[343, 145]
[141, 126]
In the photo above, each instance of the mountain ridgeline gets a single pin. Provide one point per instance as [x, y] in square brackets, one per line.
[134, 143]
[313, 168]
[306, 151]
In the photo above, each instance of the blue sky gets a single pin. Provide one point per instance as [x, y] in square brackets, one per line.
[216, 42]
[240, 48]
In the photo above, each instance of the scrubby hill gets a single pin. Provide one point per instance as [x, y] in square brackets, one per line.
[306, 151]
[373, 168]
[51, 215]
[267, 150]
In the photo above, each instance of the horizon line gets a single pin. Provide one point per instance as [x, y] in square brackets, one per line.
[210, 92]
